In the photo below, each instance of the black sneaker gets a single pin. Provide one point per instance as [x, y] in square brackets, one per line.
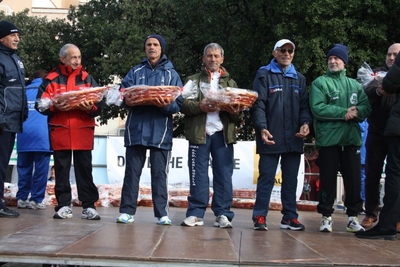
[259, 223]
[7, 213]
[292, 224]
[377, 232]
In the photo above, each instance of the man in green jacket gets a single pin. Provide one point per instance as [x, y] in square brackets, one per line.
[210, 131]
[338, 103]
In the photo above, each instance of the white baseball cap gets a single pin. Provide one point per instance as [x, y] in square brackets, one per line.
[282, 42]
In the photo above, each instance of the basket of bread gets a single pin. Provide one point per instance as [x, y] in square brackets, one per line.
[74, 98]
[229, 97]
[145, 95]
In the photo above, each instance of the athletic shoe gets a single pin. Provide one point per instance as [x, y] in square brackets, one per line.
[7, 213]
[36, 206]
[377, 232]
[164, 221]
[222, 222]
[259, 223]
[22, 204]
[354, 225]
[64, 212]
[292, 224]
[125, 218]
[326, 224]
[193, 221]
[90, 214]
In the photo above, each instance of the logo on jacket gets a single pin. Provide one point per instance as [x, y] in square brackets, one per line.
[21, 65]
[354, 99]
[275, 90]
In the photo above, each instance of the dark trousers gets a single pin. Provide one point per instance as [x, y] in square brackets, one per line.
[135, 157]
[390, 212]
[376, 150]
[87, 190]
[33, 170]
[7, 141]
[222, 170]
[346, 160]
[267, 171]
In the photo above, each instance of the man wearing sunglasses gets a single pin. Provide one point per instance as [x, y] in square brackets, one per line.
[338, 104]
[281, 117]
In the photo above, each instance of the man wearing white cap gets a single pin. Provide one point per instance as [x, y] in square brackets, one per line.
[281, 117]
[13, 104]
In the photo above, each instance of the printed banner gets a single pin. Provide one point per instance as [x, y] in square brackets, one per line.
[245, 171]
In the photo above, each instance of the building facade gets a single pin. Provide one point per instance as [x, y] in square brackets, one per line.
[51, 9]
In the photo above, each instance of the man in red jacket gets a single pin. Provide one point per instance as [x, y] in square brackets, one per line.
[71, 132]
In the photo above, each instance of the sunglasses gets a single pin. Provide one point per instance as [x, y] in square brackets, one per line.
[283, 50]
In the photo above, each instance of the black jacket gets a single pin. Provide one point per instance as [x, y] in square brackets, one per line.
[380, 105]
[13, 104]
[391, 84]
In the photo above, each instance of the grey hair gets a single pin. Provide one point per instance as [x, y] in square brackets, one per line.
[213, 46]
[64, 49]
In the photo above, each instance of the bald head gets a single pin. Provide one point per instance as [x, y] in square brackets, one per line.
[392, 53]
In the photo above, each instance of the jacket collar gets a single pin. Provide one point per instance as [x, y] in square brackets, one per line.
[6, 49]
[274, 67]
[337, 74]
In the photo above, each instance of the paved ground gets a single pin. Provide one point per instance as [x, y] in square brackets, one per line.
[36, 238]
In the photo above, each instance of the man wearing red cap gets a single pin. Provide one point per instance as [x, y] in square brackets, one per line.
[13, 104]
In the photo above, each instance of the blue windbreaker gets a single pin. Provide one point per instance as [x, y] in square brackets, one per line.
[150, 125]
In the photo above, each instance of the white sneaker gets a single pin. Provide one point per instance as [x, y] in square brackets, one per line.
[222, 222]
[22, 204]
[354, 225]
[90, 214]
[193, 221]
[164, 221]
[36, 206]
[326, 224]
[125, 218]
[64, 212]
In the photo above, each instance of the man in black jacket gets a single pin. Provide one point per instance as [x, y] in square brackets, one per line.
[13, 105]
[386, 226]
[377, 144]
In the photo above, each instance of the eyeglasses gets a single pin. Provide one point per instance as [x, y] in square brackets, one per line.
[283, 50]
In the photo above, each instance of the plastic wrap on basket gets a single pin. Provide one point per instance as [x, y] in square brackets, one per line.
[228, 97]
[190, 90]
[365, 75]
[114, 96]
[74, 98]
[144, 95]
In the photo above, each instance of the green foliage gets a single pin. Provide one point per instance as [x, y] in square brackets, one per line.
[111, 33]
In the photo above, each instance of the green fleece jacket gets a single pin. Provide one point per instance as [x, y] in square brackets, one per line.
[330, 97]
[195, 119]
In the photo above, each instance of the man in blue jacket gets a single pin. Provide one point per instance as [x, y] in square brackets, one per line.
[33, 148]
[149, 127]
[281, 118]
[13, 105]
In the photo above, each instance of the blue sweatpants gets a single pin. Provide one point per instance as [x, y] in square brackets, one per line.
[222, 168]
[33, 169]
[159, 164]
[267, 171]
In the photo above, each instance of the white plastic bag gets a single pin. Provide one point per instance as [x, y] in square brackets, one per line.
[365, 75]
